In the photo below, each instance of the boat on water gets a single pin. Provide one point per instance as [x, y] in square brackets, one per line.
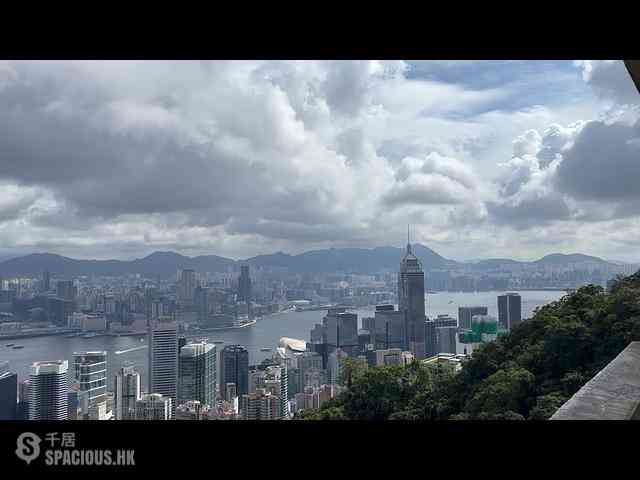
[89, 335]
[217, 342]
[15, 347]
[265, 349]
[10, 344]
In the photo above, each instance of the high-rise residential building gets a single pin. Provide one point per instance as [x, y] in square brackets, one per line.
[46, 281]
[465, 314]
[308, 362]
[509, 310]
[272, 377]
[187, 286]
[90, 371]
[234, 368]
[411, 301]
[163, 358]
[8, 393]
[127, 391]
[244, 284]
[340, 330]
[153, 406]
[48, 389]
[66, 290]
[260, 405]
[197, 373]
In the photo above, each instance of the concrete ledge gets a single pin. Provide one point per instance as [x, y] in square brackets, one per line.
[613, 394]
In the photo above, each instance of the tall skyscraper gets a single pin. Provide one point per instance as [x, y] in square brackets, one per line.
[509, 310]
[390, 328]
[244, 284]
[8, 393]
[163, 359]
[46, 281]
[431, 338]
[341, 330]
[197, 373]
[48, 390]
[153, 406]
[187, 286]
[234, 368]
[411, 301]
[90, 371]
[465, 314]
[126, 393]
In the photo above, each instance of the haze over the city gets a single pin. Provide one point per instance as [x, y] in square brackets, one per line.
[508, 159]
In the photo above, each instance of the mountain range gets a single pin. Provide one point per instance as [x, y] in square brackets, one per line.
[353, 260]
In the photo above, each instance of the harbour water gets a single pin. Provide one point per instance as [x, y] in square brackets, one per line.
[266, 333]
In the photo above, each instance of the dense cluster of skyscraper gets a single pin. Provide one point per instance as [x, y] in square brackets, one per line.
[195, 380]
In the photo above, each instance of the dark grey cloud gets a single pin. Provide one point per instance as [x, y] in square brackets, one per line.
[603, 163]
[530, 211]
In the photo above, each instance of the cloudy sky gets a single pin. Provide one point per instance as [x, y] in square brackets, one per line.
[484, 158]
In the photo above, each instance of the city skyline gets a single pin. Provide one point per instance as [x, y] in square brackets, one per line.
[485, 158]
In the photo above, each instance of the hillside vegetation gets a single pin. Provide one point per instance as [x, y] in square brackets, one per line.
[527, 374]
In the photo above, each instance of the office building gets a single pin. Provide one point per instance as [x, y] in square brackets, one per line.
[163, 359]
[127, 391]
[46, 281]
[509, 310]
[77, 403]
[446, 338]
[484, 328]
[411, 301]
[341, 330]
[466, 313]
[8, 393]
[90, 371]
[187, 287]
[431, 338]
[234, 368]
[244, 284]
[445, 321]
[153, 406]
[390, 328]
[48, 389]
[23, 400]
[260, 405]
[197, 373]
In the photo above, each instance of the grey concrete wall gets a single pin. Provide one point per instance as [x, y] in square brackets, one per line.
[613, 394]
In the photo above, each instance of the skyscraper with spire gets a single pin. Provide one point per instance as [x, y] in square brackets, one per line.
[411, 300]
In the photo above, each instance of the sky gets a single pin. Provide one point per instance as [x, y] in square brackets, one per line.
[485, 159]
